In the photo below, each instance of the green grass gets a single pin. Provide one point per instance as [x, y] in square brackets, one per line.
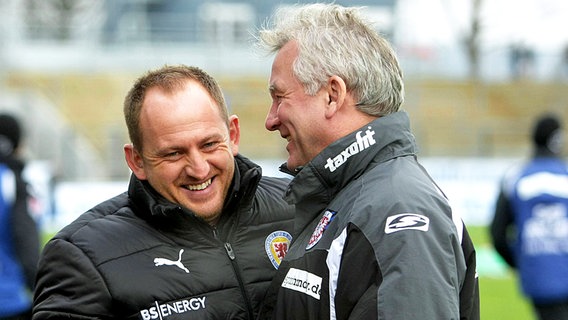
[501, 299]
[45, 237]
[500, 295]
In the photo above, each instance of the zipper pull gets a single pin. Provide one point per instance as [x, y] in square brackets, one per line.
[230, 251]
[215, 233]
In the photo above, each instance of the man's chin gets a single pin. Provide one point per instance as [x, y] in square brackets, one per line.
[211, 218]
[294, 165]
[208, 213]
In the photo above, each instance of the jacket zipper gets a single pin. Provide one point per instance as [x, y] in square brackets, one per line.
[232, 257]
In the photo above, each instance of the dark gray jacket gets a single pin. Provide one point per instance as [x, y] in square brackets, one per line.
[138, 256]
[375, 237]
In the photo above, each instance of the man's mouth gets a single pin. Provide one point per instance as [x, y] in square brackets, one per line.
[198, 187]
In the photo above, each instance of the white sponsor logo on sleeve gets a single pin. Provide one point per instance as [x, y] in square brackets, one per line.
[303, 281]
[407, 221]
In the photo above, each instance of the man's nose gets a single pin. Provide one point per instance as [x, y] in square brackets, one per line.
[197, 166]
[272, 121]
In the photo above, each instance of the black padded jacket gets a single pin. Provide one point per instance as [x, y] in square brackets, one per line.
[138, 256]
[375, 238]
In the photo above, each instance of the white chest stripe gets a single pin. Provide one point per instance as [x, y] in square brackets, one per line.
[458, 222]
[333, 262]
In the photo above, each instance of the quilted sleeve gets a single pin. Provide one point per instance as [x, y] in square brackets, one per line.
[68, 285]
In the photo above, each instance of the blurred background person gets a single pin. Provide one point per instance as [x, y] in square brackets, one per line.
[530, 225]
[19, 237]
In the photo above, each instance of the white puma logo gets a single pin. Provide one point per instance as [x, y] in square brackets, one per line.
[168, 262]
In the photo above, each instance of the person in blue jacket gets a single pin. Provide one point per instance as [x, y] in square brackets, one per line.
[529, 229]
[19, 237]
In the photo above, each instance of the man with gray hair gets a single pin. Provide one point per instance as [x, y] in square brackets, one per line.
[375, 238]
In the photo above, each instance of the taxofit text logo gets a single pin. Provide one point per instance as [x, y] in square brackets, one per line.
[407, 221]
[276, 246]
[164, 310]
[361, 143]
[303, 281]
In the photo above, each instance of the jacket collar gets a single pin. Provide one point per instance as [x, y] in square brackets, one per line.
[346, 159]
[150, 205]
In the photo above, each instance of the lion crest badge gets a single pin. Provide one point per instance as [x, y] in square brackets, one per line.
[276, 246]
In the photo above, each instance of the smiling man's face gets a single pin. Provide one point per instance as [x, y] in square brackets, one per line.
[298, 117]
[187, 149]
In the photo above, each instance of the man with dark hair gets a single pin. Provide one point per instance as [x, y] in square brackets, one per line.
[530, 226]
[198, 235]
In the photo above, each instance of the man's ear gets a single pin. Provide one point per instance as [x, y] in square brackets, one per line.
[134, 161]
[234, 134]
[336, 91]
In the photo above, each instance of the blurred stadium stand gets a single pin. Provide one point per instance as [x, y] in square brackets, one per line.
[65, 66]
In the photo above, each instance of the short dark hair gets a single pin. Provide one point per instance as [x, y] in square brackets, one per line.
[545, 126]
[169, 79]
[10, 134]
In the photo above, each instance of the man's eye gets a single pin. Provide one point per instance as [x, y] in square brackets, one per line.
[172, 154]
[275, 96]
[210, 144]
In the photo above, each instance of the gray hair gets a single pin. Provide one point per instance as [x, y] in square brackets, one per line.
[336, 40]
